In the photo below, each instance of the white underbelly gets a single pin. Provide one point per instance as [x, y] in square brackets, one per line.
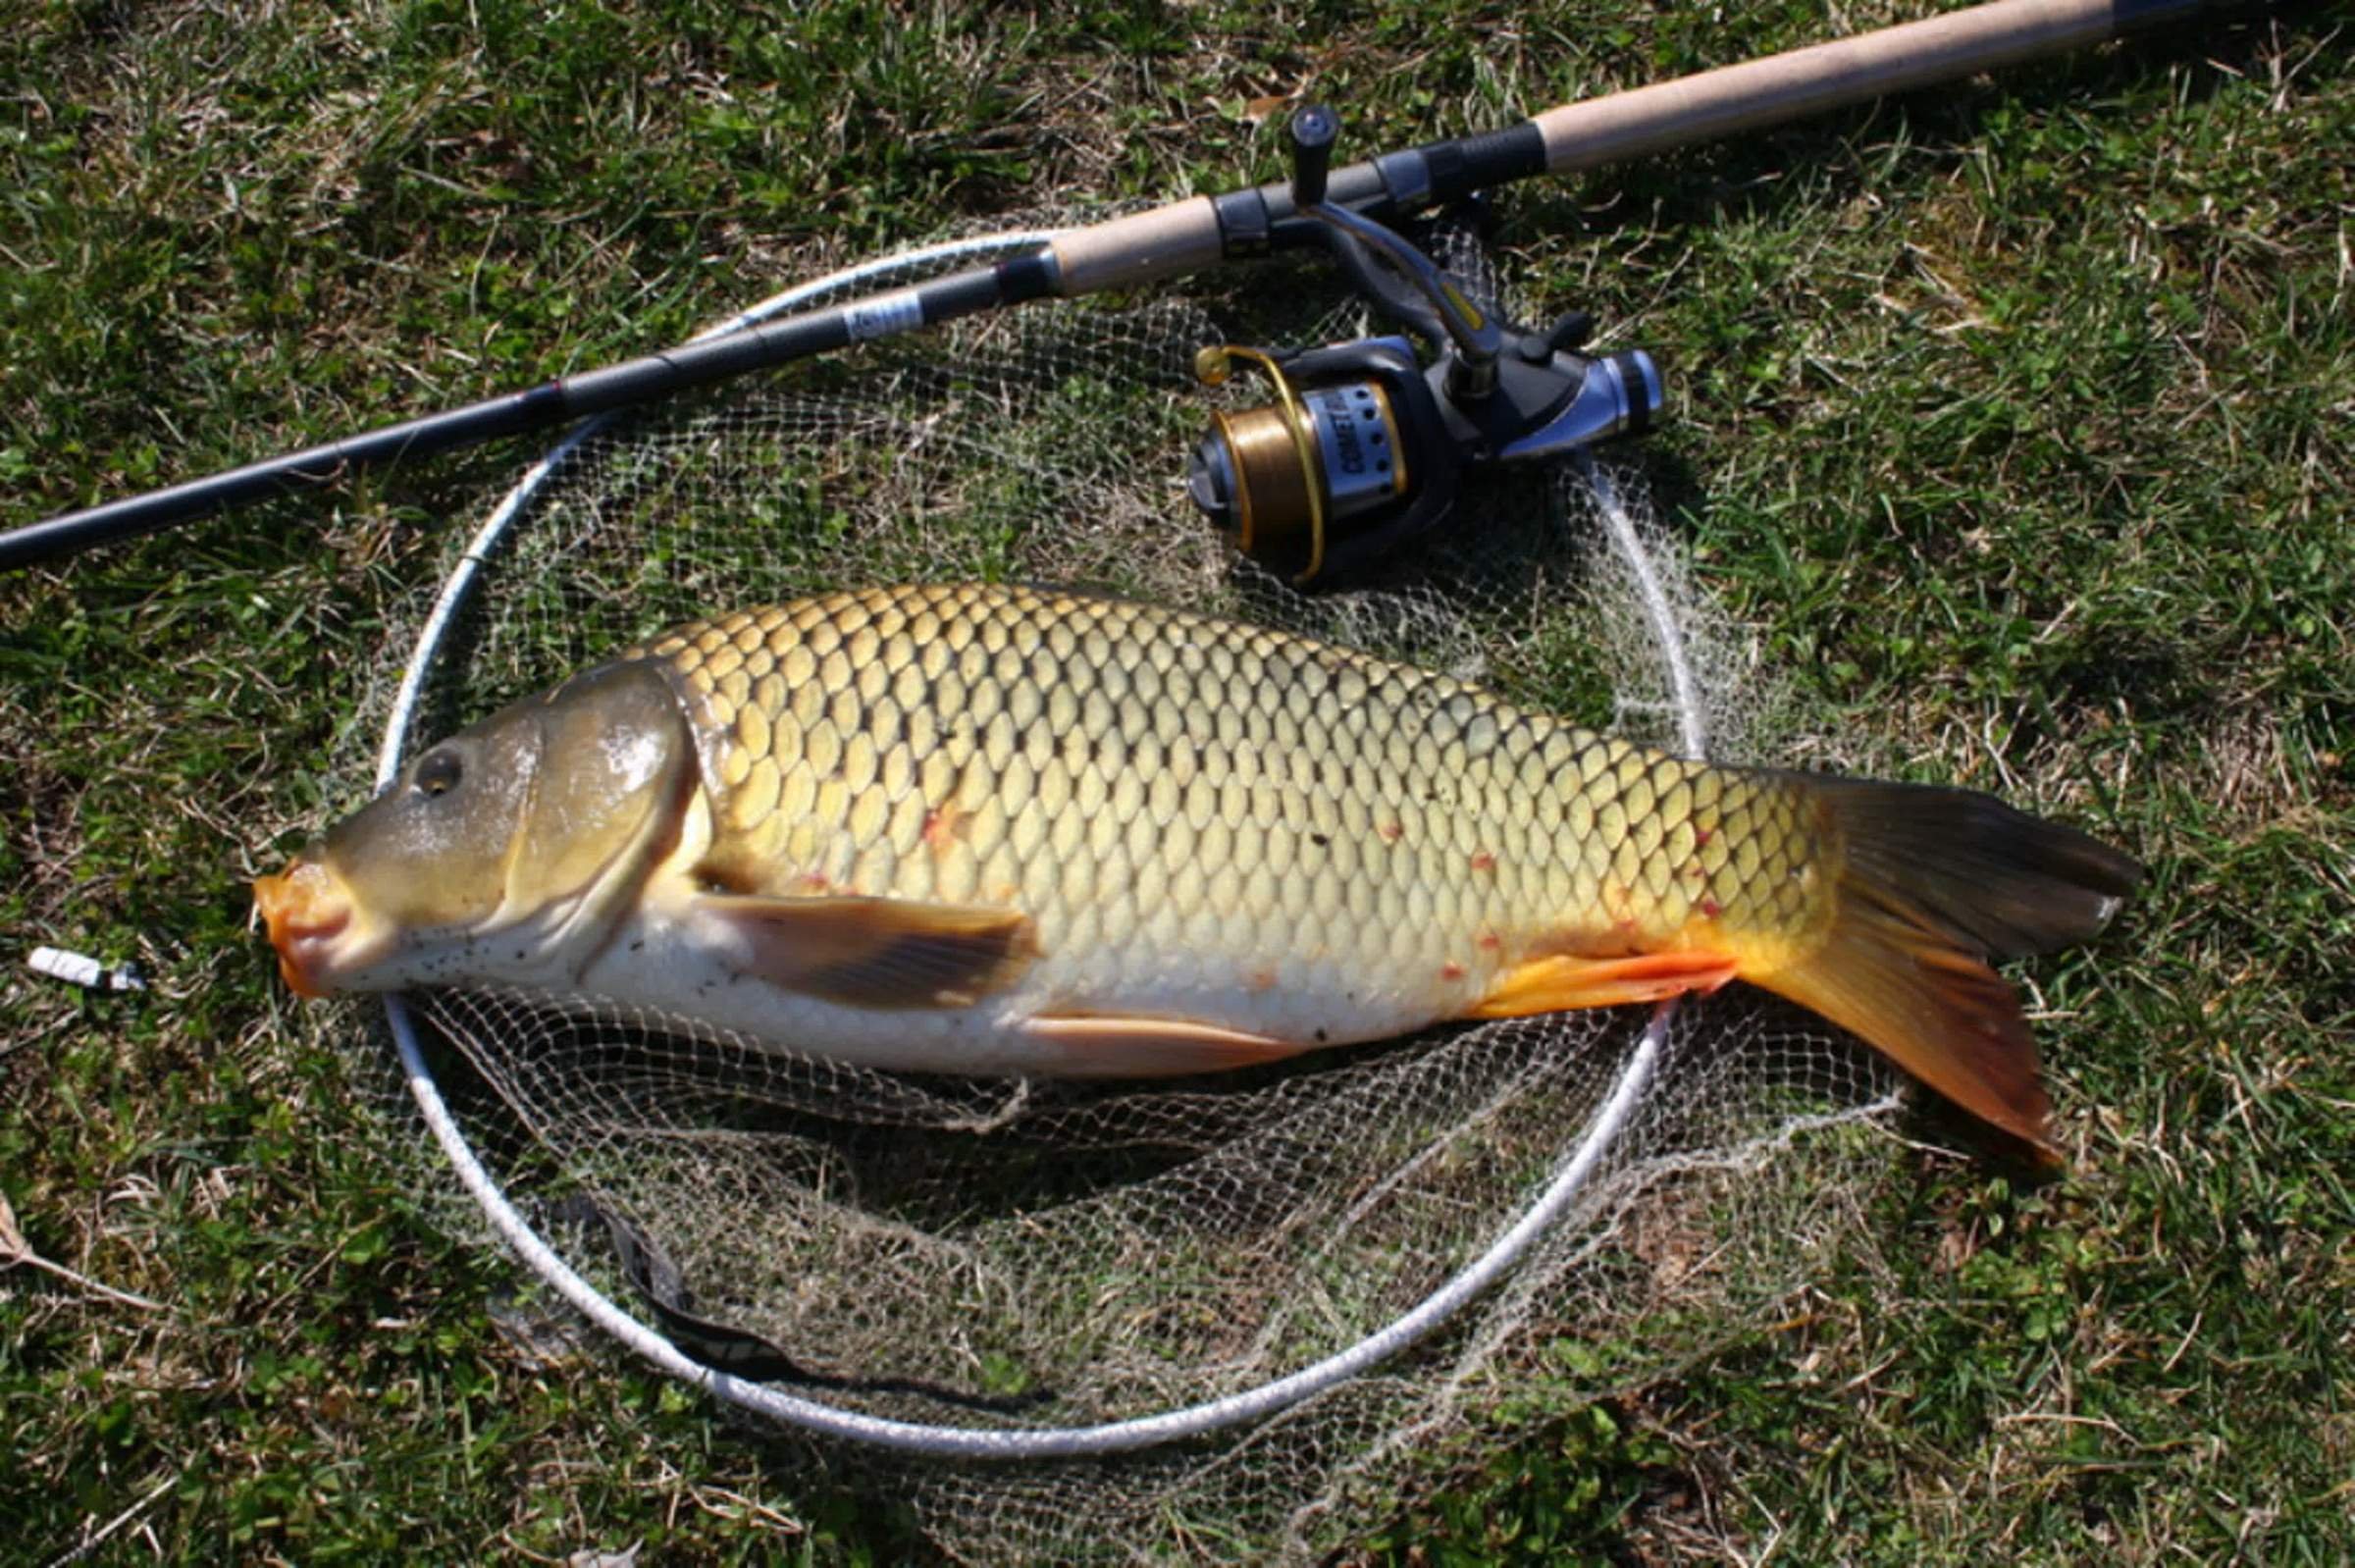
[687, 968]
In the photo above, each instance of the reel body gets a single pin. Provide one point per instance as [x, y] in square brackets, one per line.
[1352, 461]
[1365, 447]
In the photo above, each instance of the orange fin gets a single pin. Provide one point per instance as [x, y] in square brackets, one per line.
[1109, 1045]
[1936, 1010]
[1559, 982]
[1932, 884]
[877, 953]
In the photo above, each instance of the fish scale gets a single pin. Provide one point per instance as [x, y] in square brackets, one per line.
[1421, 833]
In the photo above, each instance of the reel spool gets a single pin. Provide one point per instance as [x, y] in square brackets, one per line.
[1365, 447]
[1282, 480]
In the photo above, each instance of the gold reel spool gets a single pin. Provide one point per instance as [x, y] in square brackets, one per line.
[1278, 483]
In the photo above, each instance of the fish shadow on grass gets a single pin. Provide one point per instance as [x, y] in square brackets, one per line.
[936, 1152]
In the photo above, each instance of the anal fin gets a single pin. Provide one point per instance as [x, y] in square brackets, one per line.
[877, 952]
[1561, 982]
[1109, 1045]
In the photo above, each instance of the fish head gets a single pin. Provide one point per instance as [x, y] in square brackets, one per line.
[499, 851]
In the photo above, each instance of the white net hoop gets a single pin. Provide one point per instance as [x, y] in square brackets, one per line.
[1315, 1409]
[1580, 1160]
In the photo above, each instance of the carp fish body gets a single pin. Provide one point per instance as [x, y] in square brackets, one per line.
[994, 830]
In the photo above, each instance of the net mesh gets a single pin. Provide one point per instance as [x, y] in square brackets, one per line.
[1025, 1256]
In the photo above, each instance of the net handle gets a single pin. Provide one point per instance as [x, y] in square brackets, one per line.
[1576, 1168]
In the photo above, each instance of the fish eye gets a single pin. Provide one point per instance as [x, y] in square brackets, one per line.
[439, 773]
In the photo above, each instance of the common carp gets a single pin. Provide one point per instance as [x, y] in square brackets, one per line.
[997, 831]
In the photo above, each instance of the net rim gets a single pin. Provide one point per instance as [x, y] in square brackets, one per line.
[1578, 1163]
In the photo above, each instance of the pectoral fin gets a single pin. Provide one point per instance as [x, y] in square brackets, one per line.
[1104, 1045]
[877, 952]
[1561, 981]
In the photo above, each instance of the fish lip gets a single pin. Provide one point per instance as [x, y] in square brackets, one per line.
[310, 918]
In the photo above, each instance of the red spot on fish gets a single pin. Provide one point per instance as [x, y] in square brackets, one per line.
[1490, 941]
[1482, 861]
[1451, 971]
[1620, 905]
[1702, 835]
[1392, 832]
[943, 826]
[1711, 908]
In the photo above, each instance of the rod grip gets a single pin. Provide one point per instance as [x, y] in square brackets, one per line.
[1785, 86]
[1140, 249]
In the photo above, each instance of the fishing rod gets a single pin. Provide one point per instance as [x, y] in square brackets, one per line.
[1279, 486]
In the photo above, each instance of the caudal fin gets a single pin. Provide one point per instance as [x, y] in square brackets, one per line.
[1934, 884]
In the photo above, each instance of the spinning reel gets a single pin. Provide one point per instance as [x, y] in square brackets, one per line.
[1365, 447]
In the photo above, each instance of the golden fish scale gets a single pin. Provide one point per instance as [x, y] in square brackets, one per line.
[1142, 782]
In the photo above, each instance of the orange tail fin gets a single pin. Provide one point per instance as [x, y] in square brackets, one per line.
[1935, 883]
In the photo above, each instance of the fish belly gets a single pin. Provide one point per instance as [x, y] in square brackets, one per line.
[695, 978]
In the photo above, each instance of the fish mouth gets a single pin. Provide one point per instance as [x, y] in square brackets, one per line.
[309, 914]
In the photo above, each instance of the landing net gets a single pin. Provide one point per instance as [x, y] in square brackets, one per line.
[1227, 1319]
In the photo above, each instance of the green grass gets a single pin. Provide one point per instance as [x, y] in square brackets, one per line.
[2016, 415]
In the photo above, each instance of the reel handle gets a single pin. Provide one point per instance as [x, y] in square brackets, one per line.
[1476, 336]
[1314, 130]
